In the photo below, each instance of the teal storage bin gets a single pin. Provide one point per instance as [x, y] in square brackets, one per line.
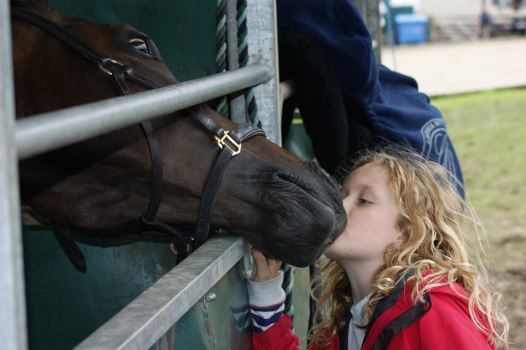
[411, 28]
[398, 10]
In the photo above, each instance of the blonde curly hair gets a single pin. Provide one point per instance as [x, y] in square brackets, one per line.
[432, 218]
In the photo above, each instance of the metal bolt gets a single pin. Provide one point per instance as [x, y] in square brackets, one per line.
[210, 297]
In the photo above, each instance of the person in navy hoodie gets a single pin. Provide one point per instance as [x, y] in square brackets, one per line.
[398, 277]
[325, 47]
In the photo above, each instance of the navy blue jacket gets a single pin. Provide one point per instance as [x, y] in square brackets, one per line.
[392, 104]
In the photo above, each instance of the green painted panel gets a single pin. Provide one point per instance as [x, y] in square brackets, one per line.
[298, 141]
[184, 31]
[300, 300]
[64, 305]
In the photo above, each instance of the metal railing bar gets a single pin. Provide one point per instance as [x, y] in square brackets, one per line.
[142, 322]
[48, 131]
[12, 292]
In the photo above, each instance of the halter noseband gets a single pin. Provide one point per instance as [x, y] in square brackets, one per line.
[229, 142]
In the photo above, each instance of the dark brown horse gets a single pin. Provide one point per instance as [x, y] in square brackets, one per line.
[283, 205]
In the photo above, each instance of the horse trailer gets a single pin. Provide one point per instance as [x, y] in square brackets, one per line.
[133, 294]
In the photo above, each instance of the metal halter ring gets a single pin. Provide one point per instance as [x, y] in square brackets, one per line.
[103, 68]
[232, 144]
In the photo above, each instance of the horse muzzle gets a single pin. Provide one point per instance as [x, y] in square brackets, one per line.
[303, 215]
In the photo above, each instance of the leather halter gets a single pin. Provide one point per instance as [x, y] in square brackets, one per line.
[229, 142]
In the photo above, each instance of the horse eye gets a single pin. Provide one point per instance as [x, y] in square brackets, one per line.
[140, 45]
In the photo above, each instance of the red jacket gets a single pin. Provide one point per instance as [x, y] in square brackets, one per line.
[441, 322]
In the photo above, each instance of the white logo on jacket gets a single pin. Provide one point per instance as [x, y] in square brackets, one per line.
[436, 145]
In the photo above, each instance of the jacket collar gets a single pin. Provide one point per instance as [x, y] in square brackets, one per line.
[393, 319]
[393, 314]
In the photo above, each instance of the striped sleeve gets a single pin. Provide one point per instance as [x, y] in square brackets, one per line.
[266, 302]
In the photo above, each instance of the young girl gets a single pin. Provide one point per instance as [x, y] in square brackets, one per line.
[398, 277]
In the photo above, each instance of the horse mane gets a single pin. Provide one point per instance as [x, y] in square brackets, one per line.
[40, 7]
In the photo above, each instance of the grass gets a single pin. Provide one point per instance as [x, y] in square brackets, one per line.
[488, 130]
[489, 133]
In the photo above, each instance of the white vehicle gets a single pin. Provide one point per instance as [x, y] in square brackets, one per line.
[507, 16]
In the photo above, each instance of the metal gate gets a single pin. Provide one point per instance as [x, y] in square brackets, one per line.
[147, 321]
[199, 303]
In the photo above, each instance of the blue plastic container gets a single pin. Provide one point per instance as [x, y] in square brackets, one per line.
[411, 28]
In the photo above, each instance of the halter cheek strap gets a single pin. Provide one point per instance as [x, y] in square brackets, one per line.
[229, 142]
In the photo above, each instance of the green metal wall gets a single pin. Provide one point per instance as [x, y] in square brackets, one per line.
[184, 30]
[64, 305]
[298, 141]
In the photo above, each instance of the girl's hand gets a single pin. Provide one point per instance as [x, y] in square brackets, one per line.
[264, 268]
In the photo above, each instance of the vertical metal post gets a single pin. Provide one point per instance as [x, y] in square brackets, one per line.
[237, 100]
[12, 295]
[221, 52]
[263, 47]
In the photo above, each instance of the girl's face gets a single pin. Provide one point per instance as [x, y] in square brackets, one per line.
[372, 217]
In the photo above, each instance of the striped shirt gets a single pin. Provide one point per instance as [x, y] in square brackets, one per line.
[266, 302]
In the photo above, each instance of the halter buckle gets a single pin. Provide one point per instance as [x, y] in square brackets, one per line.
[231, 144]
[103, 68]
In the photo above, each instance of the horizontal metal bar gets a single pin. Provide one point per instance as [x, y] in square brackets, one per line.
[49, 131]
[140, 324]
[237, 101]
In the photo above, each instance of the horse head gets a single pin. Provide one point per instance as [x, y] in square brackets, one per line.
[286, 207]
